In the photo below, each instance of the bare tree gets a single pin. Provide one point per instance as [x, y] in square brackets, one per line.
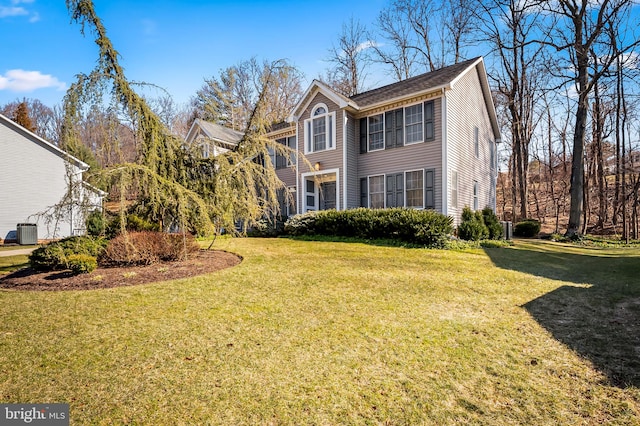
[510, 27]
[349, 59]
[41, 116]
[428, 33]
[579, 29]
[230, 98]
[394, 51]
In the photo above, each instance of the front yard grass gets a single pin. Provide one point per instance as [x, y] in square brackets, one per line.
[305, 332]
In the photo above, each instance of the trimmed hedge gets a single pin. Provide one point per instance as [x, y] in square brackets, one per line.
[148, 247]
[527, 228]
[422, 227]
[54, 256]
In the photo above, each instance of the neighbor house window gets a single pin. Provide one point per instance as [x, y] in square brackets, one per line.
[376, 132]
[376, 192]
[205, 150]
[413, 123]
[320, 130]
[285, 160]
[414, 183]
[475, 195]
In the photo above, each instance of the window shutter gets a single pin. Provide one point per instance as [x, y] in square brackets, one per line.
[429, 189]
[395, 190]
[363, 135]
[429, 121]
[399, 126]
[364, 199]
[389, 133]
[391, 190]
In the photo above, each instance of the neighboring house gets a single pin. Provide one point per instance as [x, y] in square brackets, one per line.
[212, 139]
[35, 176]
[428, 142]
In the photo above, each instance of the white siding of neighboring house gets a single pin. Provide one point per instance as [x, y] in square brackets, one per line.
[466, 109]
[33, 178]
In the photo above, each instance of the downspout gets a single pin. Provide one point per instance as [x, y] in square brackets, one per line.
[344, 159]
[298, 177]
[445, 164]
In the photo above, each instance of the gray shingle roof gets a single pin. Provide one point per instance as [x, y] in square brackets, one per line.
[412, 85]
[221, 133]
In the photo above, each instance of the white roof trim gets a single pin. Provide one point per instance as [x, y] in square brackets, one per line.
[65, 155]
[319, 87]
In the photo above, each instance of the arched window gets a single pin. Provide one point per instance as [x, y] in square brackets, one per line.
[320, 129]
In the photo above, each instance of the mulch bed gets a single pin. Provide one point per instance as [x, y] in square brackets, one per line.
[203, 262]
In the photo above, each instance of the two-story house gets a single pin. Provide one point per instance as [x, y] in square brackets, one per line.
[428, 142]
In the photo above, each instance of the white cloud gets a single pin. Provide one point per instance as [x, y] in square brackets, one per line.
[12, 11]
[28, 81]
[367, 45]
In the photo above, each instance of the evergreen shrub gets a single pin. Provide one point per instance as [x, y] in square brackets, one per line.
[81, 263]
[421, 227]
[54, 256]
[494, 227]
[96, 223]
[472, 226]
[527, 228]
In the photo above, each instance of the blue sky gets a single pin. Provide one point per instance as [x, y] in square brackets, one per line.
[172, 44]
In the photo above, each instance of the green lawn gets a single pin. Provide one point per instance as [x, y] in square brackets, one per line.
[342, 333]
[12, 263]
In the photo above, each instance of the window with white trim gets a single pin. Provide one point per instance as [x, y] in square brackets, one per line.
[454, 189]
[376, 192]
[320, 132]
[286, 160]
[413, 124]
[476, 141]
[414, 184]
[475, 195]
[376, 132]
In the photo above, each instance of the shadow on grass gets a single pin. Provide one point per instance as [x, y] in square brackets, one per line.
[597, 313]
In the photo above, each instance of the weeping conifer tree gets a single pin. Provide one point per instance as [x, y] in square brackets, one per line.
[168, 183]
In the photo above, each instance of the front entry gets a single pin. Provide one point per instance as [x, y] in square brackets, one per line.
[321, 192]
[328, 195]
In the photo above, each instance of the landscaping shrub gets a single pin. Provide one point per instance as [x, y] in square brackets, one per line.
[81, 263]
[472, 226]
[422, 227]
[494, 227]
[96, 224]
[147, 247]
[267, 228]
[54, 256]
[133, 223]
[527, 228]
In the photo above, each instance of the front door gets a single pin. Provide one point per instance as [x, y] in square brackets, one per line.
[328, 195]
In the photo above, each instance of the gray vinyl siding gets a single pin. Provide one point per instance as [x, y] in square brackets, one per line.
[328, 159]
[33, 177]
[466, 109]
[353, 182]
[423, 155]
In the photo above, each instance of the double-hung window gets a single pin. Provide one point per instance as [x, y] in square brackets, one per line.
[320, 130]
[475, 195]
[414, 184]
[283, 160]
[376, 132]
[413, 124]
[376, 192]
